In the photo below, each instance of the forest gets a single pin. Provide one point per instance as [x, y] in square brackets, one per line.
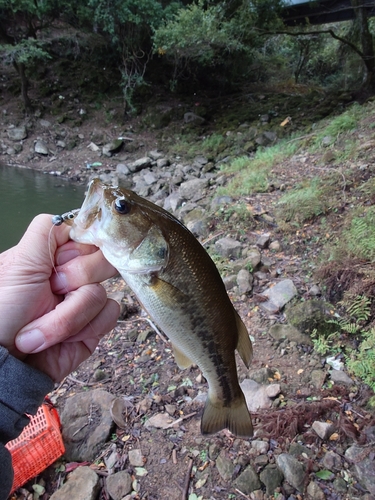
[213, 45]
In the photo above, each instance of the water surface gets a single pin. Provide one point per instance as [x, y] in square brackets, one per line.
[25, 193]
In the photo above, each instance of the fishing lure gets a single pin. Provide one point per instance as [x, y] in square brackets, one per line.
[57, 220]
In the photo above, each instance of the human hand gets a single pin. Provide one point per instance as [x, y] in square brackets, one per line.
[53, 311]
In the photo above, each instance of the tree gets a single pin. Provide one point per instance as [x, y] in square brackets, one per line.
[128, 25]
[214, 35]
[20, 23]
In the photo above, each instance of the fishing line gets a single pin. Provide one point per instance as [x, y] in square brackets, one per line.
[58, 220]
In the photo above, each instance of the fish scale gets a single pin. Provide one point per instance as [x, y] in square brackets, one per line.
[179, 286]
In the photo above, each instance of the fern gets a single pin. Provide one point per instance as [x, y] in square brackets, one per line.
[322, 343]
[360, 237]
[362, 362]
[360, 308]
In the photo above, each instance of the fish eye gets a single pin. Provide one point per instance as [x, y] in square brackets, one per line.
[121, 206]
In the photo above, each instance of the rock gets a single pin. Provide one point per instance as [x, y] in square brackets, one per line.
[173, 201]
[248, 481]
[41, 148]
[122, 170]
[82, 484]
[230, 281]
[155, 155]
[278, 296]
[136, 458]
[189, 189]
[253, 258]
[228, 248]
[162, 162]
[323, 429]
[219, 201]
[87, 423]
[140, 164]
[255, 395]
[292, 469]
[225, 466]
[263, 241]
[150, 178]
[314, 491]
[315, 291]
[340, 377]
[193, 118]
[275, 246]
[17, 133]
[119, 485]
[93, 147]
[317, 378]
[297, 450]
[327, 140]
[273, 390]
[281, 332]
[112, 147]
[332, 461]
[45, 123]
[309, 315]
[364, 468]
[272, 478]
[340, 485]
[262, 375]
[270, 136]
[244, 281]
[160, 421]
[261, 447]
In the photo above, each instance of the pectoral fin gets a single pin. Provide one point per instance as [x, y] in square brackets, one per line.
[180, 358]
[170, 295]
[244, 347]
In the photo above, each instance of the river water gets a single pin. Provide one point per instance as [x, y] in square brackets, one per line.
[25, 193]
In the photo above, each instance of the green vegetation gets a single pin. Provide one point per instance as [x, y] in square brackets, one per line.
[360, 361]
[359, 238]
[304, 202]
[342, 123]
[252, 174]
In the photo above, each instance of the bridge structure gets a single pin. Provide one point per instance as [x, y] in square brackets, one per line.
[301, 12]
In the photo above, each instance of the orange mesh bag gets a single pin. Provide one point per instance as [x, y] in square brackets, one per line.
[39, 445]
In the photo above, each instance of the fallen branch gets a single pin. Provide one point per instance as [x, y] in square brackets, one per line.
[181, 419]
[185, 492]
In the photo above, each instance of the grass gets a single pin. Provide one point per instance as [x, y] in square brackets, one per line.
[304, 203]
[346, 122]
[252, 174]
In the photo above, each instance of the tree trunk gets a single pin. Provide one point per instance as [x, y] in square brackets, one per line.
[21, 70]
[367, 45]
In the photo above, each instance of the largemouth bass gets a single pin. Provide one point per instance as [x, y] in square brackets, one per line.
[179, 286]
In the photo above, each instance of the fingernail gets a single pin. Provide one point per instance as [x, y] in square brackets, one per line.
[31, 341]
[66, 256]
[61, 281]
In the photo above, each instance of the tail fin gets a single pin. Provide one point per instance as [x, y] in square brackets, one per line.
[236, 418]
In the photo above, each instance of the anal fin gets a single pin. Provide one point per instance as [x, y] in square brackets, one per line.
[244, 347]
[181, 359]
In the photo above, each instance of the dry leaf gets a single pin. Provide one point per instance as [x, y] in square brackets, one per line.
[334, 437]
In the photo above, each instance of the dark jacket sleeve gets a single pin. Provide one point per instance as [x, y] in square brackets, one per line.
[22, 390]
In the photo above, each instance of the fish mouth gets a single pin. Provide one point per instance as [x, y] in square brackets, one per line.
[89, 214]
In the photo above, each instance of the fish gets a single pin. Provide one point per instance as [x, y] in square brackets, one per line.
[179, 286]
